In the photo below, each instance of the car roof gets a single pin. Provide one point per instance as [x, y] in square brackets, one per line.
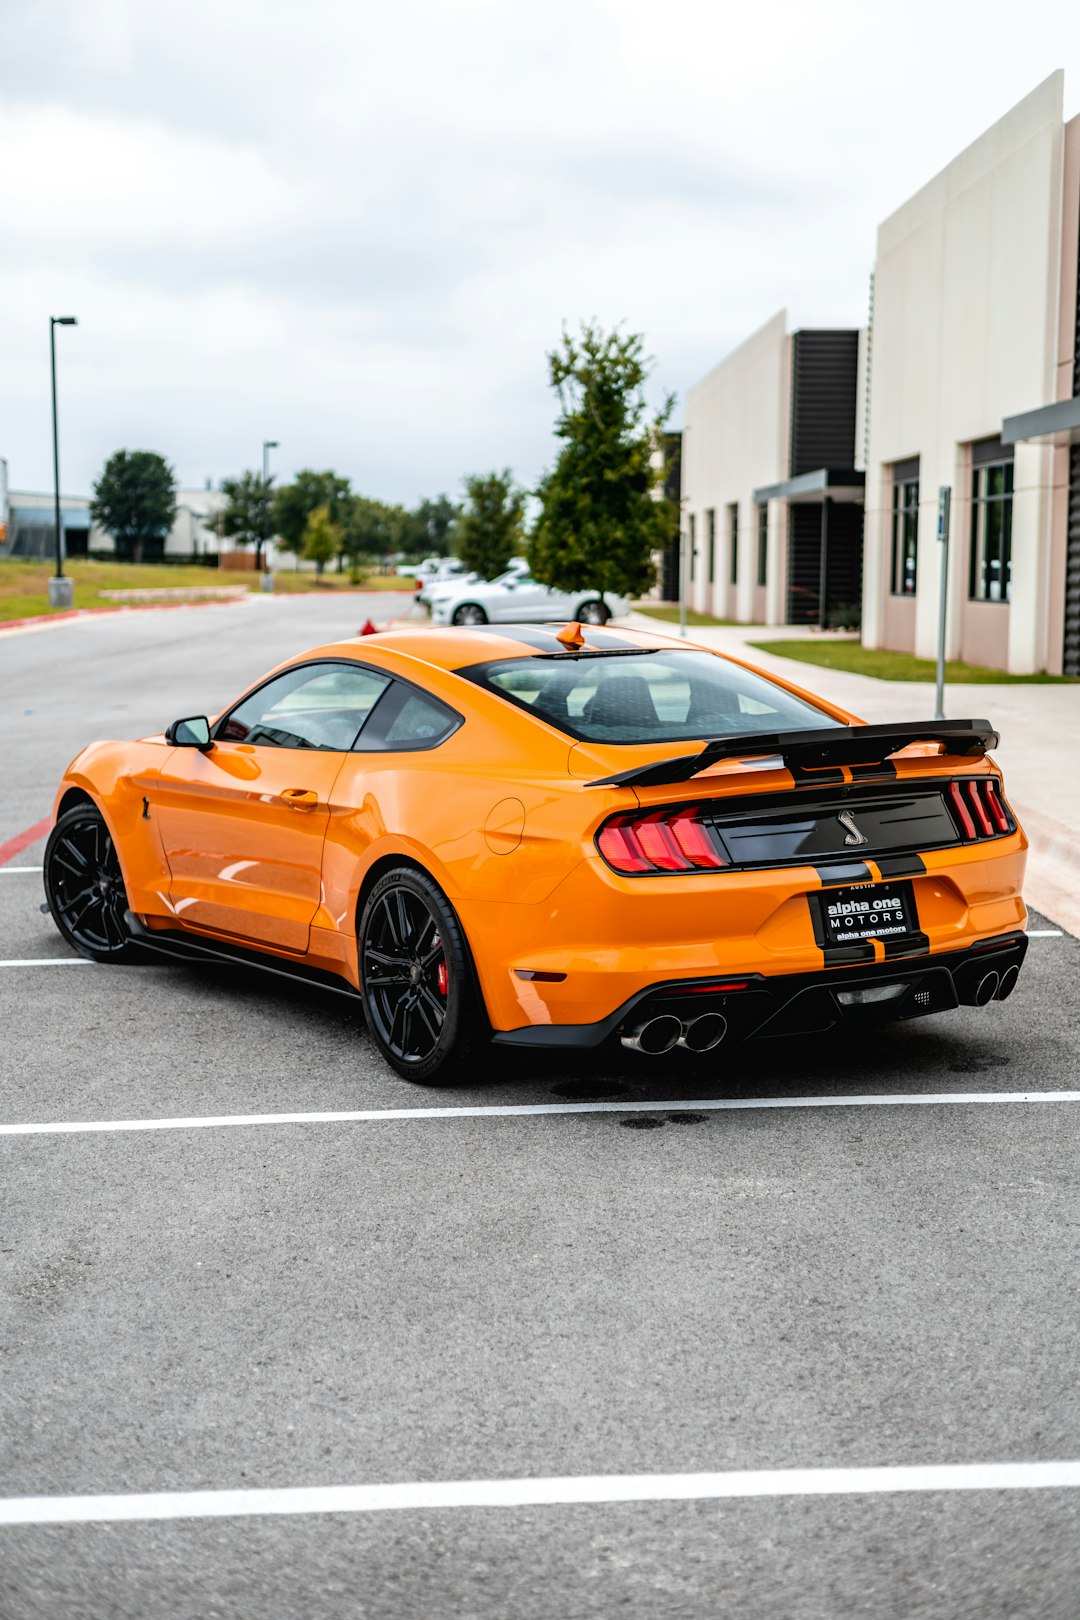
[461, 647]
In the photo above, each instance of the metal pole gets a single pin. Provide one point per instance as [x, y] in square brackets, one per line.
[268, 445]
[58, 535]
[682, 578]
[823, 568]
[944, 514]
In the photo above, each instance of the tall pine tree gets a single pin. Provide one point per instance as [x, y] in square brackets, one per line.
[602, 514]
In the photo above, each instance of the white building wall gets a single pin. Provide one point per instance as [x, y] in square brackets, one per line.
[735, 441]
[965, 333]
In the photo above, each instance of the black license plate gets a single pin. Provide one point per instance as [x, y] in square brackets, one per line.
[867, 911]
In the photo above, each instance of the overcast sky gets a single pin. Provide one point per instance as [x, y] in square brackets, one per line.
[357, 228]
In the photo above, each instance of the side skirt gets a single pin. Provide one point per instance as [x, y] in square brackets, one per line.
[182, 948]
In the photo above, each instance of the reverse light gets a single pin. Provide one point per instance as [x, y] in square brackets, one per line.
[978, 810]
[660, 841]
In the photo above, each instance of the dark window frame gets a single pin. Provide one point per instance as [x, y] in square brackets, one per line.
[903, 581]
[984, 506]
[762, 542]
[733, 538]
[692, 540]
[396, 685]
[710, 531]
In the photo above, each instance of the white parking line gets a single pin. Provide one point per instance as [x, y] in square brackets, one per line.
[1045, 933]
[696, 1105]
[50, 961]
[15, 871]
[552, 1492]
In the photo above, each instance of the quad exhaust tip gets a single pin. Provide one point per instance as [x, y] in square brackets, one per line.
[701, 1034]
[1008, 983]
[660, 1034]
[987, 988]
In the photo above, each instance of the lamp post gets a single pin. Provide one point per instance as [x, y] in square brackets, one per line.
[61, 590]
[268, 445]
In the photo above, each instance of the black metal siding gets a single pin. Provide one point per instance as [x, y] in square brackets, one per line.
[824, 384]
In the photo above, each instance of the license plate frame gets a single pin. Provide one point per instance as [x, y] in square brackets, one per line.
[856, 913]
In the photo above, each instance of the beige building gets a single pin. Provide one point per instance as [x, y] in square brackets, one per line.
[973, 386]
[771, 481]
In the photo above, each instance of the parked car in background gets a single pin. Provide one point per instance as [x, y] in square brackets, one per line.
[436, 570]
[520, 598]
[454, 586]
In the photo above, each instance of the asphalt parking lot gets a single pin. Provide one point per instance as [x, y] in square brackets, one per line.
[605, 1276]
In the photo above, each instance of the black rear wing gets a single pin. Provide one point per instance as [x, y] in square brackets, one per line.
[819, 749]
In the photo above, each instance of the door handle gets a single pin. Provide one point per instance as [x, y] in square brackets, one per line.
[300, 798]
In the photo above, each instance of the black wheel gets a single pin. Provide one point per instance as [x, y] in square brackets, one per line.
[420, 996]
[470, 613]
[85, 888]
[593, 612]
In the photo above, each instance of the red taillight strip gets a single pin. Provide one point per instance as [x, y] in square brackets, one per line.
[980, 813]
[967, 826]
[660, 847]
[661, 841]
[997, 809]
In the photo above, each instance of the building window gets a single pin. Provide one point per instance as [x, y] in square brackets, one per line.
[905, 527]
[692, 543]
[991, 530]
[762, 541]
[733, 535]
[710, 530]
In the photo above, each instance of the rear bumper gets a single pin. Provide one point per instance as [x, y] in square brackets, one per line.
[800, 1003]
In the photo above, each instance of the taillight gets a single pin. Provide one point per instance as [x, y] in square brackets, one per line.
[660, 841]
[977, 809]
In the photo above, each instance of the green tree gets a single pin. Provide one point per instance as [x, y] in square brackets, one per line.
[295, 502]
[247, 517]
[602, 513]
[135, 501]
[435, 524]
[323, 538]
[490, 530]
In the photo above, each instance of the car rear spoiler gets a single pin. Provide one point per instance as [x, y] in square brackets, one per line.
[816, 750]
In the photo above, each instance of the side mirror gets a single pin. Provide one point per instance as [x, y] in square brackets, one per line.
[191, 733]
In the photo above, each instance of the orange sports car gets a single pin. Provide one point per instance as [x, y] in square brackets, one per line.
[553, 837]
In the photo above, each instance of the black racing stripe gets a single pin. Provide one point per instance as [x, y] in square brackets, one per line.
[899, 866]
[916, 944]
[849, 955]
[528, 635]
[852, 872]
[606, 640]
[884, 771]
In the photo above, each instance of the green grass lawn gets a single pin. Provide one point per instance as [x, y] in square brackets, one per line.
[24, 582]
[669, 612]
[896, 666]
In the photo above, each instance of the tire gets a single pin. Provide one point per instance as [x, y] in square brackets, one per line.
[85, 887]
[421, 999]
[593, 612]
[470, 613]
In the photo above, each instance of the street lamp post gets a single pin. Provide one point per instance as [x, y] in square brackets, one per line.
[268, 445]
[61, 590]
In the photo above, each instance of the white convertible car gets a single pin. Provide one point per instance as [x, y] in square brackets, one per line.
[517, 597]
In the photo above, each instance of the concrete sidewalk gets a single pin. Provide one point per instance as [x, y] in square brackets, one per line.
[1039, 752]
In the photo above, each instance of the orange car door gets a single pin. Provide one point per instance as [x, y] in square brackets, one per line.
[243, 824]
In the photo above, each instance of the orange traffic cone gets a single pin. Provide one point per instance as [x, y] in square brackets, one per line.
[368, 629]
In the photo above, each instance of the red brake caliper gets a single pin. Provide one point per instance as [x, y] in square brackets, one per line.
[442, 978]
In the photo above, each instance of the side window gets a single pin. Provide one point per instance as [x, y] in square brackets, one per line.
[408, 720]
[315, 706]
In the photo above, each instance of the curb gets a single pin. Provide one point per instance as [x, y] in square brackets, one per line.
[45, 621]
[1052, 884]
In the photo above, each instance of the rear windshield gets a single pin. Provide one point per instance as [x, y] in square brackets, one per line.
[662, 696]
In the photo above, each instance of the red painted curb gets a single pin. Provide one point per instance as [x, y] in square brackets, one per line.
[23, 840]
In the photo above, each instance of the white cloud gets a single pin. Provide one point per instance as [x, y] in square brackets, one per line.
[356, 227]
